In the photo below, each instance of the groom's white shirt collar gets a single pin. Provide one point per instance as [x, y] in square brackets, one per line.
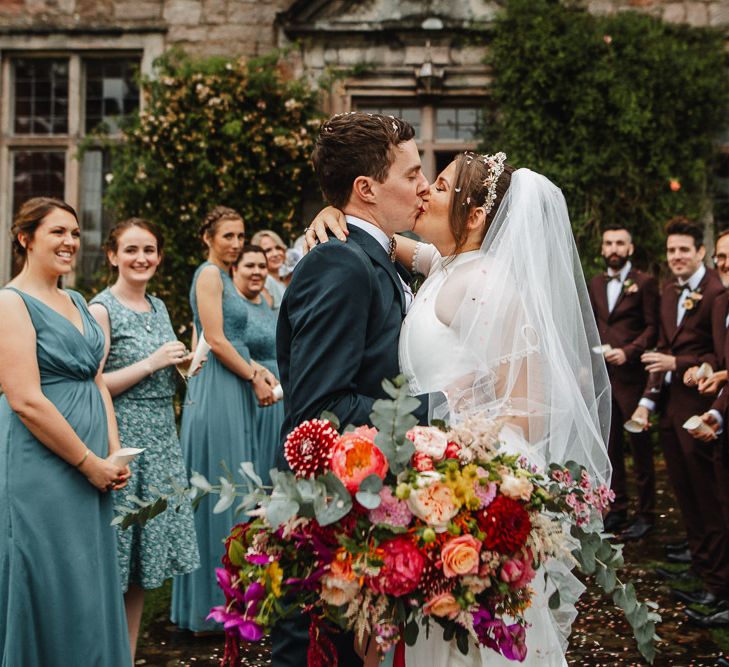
[693, 282]
[373, 230]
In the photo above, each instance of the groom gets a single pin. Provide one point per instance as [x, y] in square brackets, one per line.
[339, 322]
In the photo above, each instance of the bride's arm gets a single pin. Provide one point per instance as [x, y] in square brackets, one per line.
[413, 255]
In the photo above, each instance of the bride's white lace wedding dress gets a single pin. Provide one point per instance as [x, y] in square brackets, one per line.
[507, 331]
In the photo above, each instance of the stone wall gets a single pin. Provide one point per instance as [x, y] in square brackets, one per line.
[215, 27]
[247, 26]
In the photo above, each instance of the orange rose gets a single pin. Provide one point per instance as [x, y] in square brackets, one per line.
[435, 504]
[442, 605]
[460, 556]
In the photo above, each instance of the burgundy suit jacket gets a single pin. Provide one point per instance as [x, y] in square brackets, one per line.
[632, 325]
[721, 341]
[691, 342]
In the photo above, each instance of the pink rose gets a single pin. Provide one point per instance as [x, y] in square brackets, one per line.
[401, 570]
[355, 457]
[516, 488]
[460, 556]
[443, 605]
[518, 572]
[429, 440]
[436, 504]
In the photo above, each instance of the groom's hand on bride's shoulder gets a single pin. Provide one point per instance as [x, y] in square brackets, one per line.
[328, 220]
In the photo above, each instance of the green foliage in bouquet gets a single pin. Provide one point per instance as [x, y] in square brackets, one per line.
[375, 527]
[213, 131]
[622, 112]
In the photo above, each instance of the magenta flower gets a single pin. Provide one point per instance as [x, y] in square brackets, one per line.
[513, 642]
[232, 620]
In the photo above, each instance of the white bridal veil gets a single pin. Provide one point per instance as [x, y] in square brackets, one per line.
[525, 329]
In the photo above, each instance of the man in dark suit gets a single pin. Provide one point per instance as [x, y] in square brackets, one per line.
[717, 418]
[685, 342]
[339, 322]
[625, 303]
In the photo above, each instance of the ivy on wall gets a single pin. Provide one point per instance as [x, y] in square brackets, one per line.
[214, 131]
[622, 112]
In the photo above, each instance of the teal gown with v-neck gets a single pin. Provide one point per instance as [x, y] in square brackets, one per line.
[60, 599]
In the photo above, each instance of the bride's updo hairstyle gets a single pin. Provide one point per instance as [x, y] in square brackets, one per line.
[213, 219]
[470, 190]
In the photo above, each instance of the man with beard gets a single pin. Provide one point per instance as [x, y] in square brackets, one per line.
[686, 341]
[625, 303]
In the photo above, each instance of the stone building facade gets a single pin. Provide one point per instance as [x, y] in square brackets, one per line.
[66, 65]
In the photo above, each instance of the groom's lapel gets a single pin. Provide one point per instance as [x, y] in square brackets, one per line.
[378, 255]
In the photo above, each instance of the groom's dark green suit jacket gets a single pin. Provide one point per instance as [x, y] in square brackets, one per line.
[338, 331]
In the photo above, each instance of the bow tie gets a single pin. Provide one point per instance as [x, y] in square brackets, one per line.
[611, 278]
[392, 249]
[680, 288]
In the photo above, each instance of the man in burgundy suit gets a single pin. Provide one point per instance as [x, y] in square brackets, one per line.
[625, 303]
[685, 341]
[717, 418]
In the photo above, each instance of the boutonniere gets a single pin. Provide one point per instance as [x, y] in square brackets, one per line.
[630, 286]
[692, 299]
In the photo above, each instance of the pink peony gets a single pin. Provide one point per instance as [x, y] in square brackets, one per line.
[460, 556]
[355, 457]
[429, 440]
[401, 570]
[518, 572]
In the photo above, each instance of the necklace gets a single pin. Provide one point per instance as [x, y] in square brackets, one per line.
[145, 316]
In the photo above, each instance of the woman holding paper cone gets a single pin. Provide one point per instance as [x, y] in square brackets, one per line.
[141, 352]
[219, 418]
[60, 601]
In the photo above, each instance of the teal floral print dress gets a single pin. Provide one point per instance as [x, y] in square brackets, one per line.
[145, 413]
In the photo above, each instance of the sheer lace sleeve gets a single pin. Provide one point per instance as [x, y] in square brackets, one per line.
[425, 258]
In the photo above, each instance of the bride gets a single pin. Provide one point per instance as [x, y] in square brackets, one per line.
[502, 327]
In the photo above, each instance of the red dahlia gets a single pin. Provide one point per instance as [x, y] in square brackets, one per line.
[308, 448]
[506, 524]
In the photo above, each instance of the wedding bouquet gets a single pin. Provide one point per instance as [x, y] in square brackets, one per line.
[385, 530]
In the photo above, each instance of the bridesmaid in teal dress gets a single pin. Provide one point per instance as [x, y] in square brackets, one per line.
[218, 420]
[249, 276]
[60, 600]
[139, 370]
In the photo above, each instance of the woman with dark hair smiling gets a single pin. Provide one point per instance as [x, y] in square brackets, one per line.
[60, 600]
[141, 352]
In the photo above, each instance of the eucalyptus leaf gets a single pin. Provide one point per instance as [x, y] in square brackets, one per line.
[280, 509]
[554, 600]
[246, 470]
[331, 418]
[410, 633]
[368, 500]
[371, 483]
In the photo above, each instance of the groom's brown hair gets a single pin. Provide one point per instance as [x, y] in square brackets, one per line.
[356, 144]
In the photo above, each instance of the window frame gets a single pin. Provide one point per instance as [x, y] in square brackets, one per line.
[143, 47]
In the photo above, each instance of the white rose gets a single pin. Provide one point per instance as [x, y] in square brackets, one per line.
[429, 440]
[517, 488]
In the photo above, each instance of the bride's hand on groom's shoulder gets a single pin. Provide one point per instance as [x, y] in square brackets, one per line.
[328, 220]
